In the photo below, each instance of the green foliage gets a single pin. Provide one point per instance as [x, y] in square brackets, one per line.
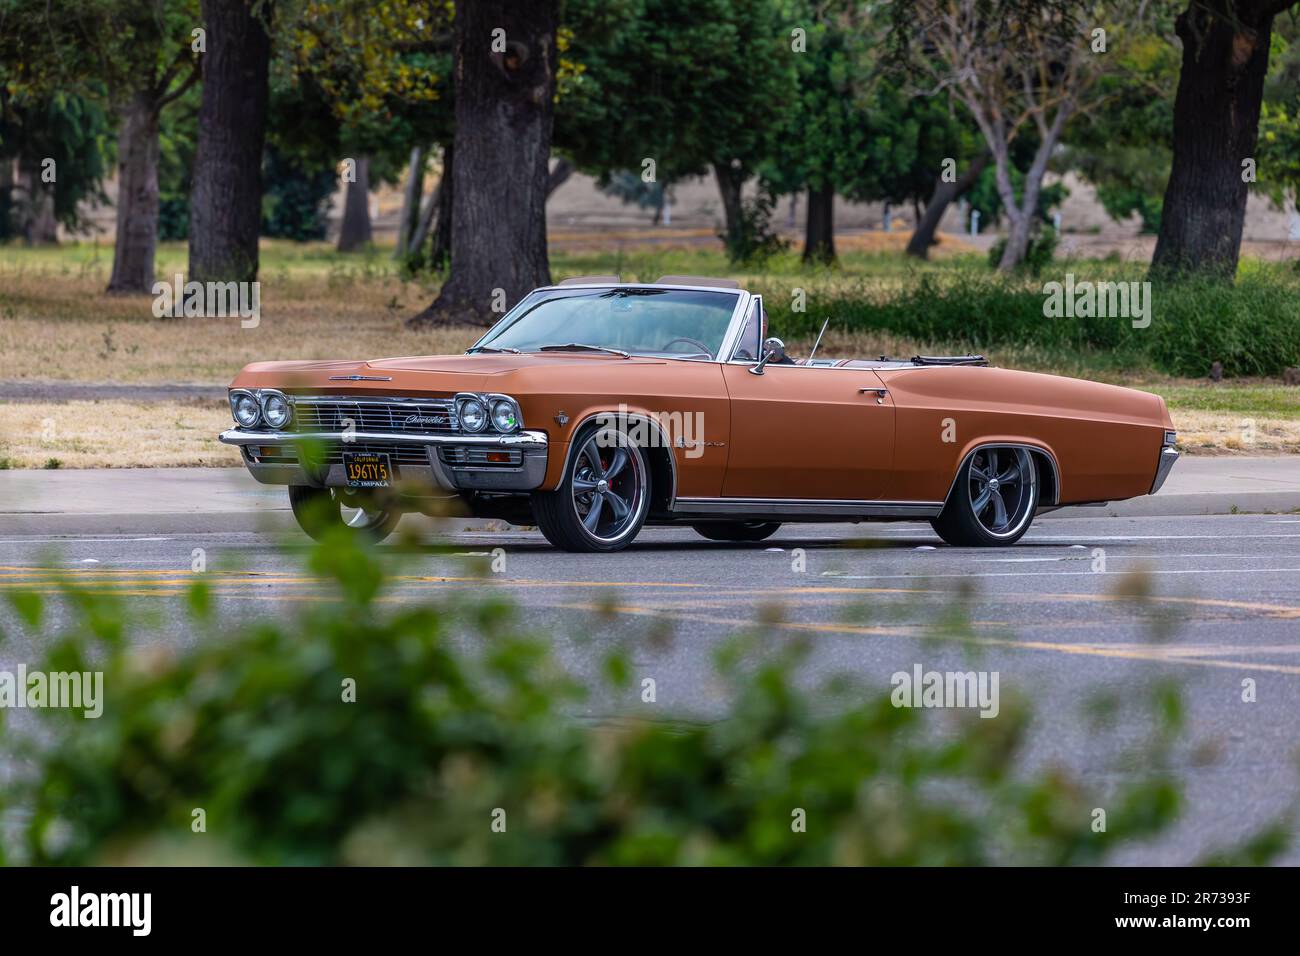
[1250, 327]
[687, 83]
[253, 724]
[1038, 255]
[753, 241]
[295, 198]
[75, 132]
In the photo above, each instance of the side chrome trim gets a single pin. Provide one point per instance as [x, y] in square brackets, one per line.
[238, 436]
[629, 417]
[808, 506]
[1051, 458]
[1168, 455]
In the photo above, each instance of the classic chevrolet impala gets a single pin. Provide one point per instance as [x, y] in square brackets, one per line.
[595, 407]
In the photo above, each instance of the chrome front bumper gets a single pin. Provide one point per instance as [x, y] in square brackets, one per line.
[432, 474]
[1168, 455]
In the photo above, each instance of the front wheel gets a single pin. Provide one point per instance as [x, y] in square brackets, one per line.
[603, 498]
[737, 530]
[320, 510]
[993, 500]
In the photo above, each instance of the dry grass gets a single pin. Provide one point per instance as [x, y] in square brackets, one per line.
[1216, 433]
[66, 329]
[113, 434]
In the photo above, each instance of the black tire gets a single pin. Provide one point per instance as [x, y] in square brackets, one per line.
[737, 530]
[605, 472]
[973, 519]
[319, 511]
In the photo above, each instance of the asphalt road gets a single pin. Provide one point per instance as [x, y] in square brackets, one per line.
[1050, 616]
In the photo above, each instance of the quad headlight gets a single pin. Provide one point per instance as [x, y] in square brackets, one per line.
[245, 408]
[473, 414]
[505, 415]
[276, 409]
[477, 411]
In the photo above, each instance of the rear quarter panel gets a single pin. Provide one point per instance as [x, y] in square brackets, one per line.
[1106, 439]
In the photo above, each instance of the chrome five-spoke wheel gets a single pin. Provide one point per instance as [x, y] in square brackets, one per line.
[602, 501]
[993, 500]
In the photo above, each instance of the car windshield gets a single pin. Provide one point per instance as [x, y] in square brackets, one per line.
[681, 323]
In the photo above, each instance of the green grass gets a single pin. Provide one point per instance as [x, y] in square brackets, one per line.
[1265, 401]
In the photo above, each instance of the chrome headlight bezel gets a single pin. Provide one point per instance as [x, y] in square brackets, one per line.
[236, 396]
[516, 416]
[470, 400]
[266, 397]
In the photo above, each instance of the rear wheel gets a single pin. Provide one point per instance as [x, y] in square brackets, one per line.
[320, 510]
[603, 498]
[993, 500]
[737, 530]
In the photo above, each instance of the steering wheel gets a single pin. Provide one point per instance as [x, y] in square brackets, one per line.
[682, 338]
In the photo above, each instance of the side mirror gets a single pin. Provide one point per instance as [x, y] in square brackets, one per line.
[773, 350]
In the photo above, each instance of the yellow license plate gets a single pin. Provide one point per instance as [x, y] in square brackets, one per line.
[364, 470]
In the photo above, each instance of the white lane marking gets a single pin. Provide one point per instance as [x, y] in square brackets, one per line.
[1227, 555]
[1063, 574]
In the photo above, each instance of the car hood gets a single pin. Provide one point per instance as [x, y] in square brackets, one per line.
[484, 371]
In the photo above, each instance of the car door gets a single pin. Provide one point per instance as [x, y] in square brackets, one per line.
[808, 432]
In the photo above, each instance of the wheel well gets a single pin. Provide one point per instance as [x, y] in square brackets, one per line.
[1046, 477]
[1044, 465]
[659, 458]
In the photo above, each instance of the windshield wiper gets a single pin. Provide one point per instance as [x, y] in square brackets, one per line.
[491, 348]
[581, 347]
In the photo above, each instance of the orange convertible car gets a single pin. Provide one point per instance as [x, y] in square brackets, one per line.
[595, 407]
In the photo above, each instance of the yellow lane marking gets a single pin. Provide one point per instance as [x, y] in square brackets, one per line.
[1126, 652]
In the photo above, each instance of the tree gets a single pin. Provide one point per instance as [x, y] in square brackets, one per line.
[139, 57]
[505, 65]
[226, 198]
[1216, 126]
[703, 103]
[369, 81]
[54, 153]
[1013, 63]
[823, 139]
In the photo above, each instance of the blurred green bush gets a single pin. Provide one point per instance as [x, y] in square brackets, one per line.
[250, 724]
[1252, 327]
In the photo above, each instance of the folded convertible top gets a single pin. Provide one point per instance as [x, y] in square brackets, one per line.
[949, 360]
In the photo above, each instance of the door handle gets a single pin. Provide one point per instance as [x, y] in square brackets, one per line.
[880, 393]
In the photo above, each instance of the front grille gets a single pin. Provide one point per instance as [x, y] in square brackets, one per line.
[423, 416]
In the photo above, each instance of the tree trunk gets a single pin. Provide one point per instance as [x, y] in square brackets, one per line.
[819, 230]
[1216, 123]
[354, 230]
[927, 224]
[730, 183]
[558, 175]
[137, 197]
[504, 114]
[440, 253]
[226, 197]
[411, 197]
[38, 227]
